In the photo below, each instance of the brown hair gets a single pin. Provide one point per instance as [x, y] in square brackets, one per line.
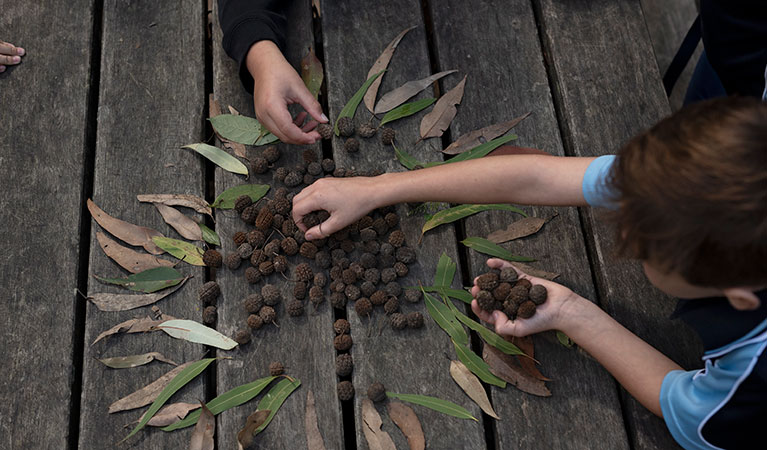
[693, 193]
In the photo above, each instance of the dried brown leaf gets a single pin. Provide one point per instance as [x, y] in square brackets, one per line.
[313, 437]
[233, 111]
[128, 362]
[214, 109]
[202, 436]
[183, 224]
[171, 414]
[186, 200]
[436, 122]
[139, 325]
[404, 417]
[381, 63]
[472, 387]
[146, 394]
[255, 420]
[530, 270]
[125, 231]
[503, 366]
[478, 137]
[377, 438]
[129, 259]
[517, 229]
[400, 95]
[528, 364]
[106, 301]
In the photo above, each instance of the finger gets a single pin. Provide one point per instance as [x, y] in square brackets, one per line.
[474, 290]
[300, 118]
[495, 263]
[309, 126]
[502, 323]
[10, 60]
[481, 313]
[310, 104]
[284, 123]
[7, 49]
[2, 69]
[324, 229]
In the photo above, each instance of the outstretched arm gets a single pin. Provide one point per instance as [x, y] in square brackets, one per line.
[637, 366]
[522, 179]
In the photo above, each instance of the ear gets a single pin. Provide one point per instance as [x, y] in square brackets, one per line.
[742, 299]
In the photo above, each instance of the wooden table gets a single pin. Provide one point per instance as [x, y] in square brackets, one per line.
[109, 92]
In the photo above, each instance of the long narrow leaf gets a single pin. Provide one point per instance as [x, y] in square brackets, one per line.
[459, 212]
[219, 157]
[227, 400]
[437, 404]
[489, 336]
[179, 381]
[275, 398]
[477, 365]
[445, 271]
[445, 319]
[192, 331]
[209, 236]
[226, 199]
[482, 245]
[408, 109]
[148, 281]
[478, 151]
[351, 106]
[406, 159]
[189, 253]
[311, 73]
[458, 294]
[237, 128]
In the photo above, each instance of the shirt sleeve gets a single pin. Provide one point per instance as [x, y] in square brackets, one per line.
[245, 22]
[596, 189]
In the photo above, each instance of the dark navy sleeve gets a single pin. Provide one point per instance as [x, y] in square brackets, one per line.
[245, 22]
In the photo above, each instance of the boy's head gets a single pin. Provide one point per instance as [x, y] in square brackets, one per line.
[693, 198]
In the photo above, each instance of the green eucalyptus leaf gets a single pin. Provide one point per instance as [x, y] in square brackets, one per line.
[189, 253]
[351, 106]
[275, 398]
[408, 109]
[445, 319]
[482, 245]
[478, 151]
[237, 128]
[406, 159]
[489, 336]
[227, 400]
[148, 281]
[192, 331]
[445, 271]
[437, 404]
[565, 339]
[209, 236]
[219, 157]
[459, 212]
[477, 365]
[226, 199]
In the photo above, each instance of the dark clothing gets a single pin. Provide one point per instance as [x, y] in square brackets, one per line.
[245, 22]
[735, 39]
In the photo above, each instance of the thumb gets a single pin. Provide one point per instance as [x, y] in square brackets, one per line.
[311, 105]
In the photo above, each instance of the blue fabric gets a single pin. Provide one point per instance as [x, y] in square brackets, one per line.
[705, 83]
[690, 399]
[596, 189]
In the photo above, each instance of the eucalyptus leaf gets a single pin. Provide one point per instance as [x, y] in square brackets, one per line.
[148, 281]
[489, 336]
[209, 236]
[477, 152]
[227, 400]
[459, 212]
[179, 381]
[436, 122]
[275, 398]
[266, 138]
[408, 109]
[445, 271]
[445, 319]
[396, 97]
[472, 387]
[192, 331]
[437, 404]
[127, 362]
[351, 106]
[219, 157]
[381, 63]
[109, 301]
[477, 365]
[237, 128]
[311, 73]
[565, 339]
[477, 137]
[189, 253]
[226, 199]
[482, 245]
[406, 159]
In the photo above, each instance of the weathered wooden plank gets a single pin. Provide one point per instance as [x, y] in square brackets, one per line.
[150, 104]
[607, 89]
[42, 151]
[303, 344]
[667, 24]
[497, 44]
[408, 361]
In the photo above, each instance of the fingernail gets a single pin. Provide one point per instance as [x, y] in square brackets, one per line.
[309, 236]
[20, 51]
[495, 315]
[323, 117]
[16, 59]
[2, 68]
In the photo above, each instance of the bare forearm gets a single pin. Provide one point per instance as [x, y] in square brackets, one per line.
[637, 366]
[523, 179]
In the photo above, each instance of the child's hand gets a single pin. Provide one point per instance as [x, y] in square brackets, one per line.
[346, 199]
[9, 55]
[553, 314]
